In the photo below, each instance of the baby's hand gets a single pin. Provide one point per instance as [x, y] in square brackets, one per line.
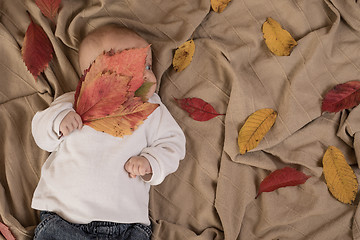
[138, 166]
[71, 121]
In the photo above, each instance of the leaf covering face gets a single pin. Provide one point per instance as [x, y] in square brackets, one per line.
[105, 97]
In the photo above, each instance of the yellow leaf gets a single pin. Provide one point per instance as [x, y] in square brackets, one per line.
[255, 128]
[340, 178]
[278, 40]
[183, 55]
[125, 120]
[112, 126]
[219, 5]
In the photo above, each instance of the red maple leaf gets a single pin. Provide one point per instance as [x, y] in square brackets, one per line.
[37, 50]
[284, 177]
[130, 62]
[197, 108]
[105, 97]
[102, 95]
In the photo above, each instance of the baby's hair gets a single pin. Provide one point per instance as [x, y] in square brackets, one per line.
[98, 34]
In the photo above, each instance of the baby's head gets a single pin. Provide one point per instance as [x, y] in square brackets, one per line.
[117, 38]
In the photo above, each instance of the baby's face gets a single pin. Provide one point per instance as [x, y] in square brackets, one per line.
[92, 48]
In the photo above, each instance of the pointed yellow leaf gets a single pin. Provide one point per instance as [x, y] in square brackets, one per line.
[219, 5]
[255, 128]
[278, 40]
[340, 178]
[183, 55]
[125, 120]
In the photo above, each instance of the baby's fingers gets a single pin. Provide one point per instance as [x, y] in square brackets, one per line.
[129, 167]
[70, 128]
[132, 175]
[134, 169]
[78, 121]
[64, 131]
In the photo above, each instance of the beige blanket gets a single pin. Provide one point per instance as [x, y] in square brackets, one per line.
[211, 196]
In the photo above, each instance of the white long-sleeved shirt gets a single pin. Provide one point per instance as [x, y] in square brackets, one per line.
[84, 179]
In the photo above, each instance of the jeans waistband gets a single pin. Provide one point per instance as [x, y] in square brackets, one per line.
[106, 228]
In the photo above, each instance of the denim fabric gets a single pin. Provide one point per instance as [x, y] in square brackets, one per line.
[54, 227]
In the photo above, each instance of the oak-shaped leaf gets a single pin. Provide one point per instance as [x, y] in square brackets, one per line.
[197, 108]
[278, 40]
[105, 97]
[183, 55]
[102, 95]
[49, 8]
[342, 96]
[255, 128]
[219, 5]
[284, 177]
[37, 50]
[339, 176]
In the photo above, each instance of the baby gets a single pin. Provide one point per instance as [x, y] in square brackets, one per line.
[95, 185]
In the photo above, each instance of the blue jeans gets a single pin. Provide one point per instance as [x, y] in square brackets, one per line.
[54, 227]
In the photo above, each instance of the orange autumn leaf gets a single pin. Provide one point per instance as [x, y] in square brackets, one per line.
[123, 63]
[105, 97]
[49, 8]
[37, 50]
[102, 95]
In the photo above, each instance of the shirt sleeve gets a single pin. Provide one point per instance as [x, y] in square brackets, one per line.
[45, 124]
[167, 146]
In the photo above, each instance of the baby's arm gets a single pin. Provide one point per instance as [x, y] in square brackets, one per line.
[45, 124]
[166, 144]
[139, 166]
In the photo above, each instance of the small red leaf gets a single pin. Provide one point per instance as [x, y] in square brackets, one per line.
[49, 8]
[284, 177]
[5, 231]
[37, 49]
[342, 96]
[197, 108]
